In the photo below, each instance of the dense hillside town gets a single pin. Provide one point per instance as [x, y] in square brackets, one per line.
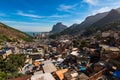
[59, 40]
[65, 58]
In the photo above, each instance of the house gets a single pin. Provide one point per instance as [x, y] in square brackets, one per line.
[106, 34]
[83, 77]
[29, 50]
[46, 76]
[6, 53]
[48, 68]
[108, 48]
[16, 50]
[116, 35]
[97, 75]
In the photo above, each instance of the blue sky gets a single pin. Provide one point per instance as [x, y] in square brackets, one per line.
[41, 15]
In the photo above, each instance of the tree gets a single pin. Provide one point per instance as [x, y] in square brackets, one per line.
[2, 75]
[75, 43]
[10, 65]
[83, 44]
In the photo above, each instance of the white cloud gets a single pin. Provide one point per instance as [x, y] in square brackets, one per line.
[63, 7]
[58, 16]
[92, 2]
[112, 4]
[101, 10]
[36, 17]
[104, 9]
[28, 15]
[77, 21]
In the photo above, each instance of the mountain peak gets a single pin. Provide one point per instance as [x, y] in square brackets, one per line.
[59, 23]
[58, 27]
[114, 11]
[118, 9]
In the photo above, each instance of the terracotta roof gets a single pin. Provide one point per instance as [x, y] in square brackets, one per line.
[22, 78]
[60, 73]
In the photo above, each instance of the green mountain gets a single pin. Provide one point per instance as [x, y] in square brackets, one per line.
[101, 21]
[10, 34]
[110, 22]
[79, 28]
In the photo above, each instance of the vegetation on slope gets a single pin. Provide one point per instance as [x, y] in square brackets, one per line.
[10, 34]
[9, 66]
